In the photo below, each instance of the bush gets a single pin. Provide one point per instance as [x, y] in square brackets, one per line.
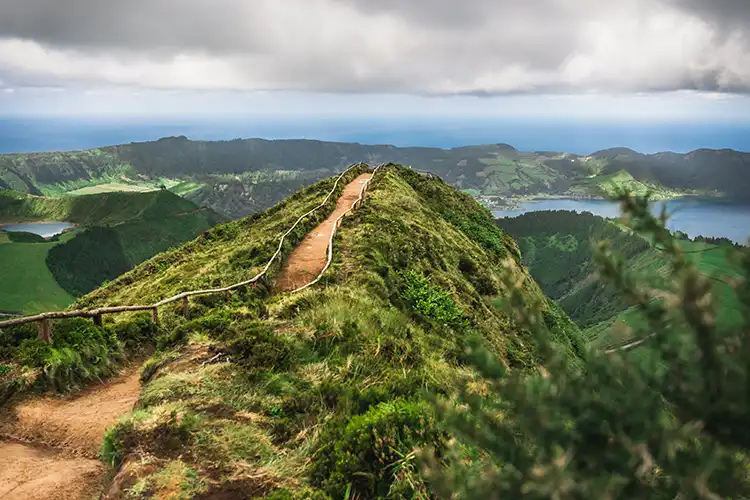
[80, 351]
[429, 301]
[213, 324]
[11, 338]
[135, 332]
[666, 420]
[23, 237]
[164, 429]
[256, 346]
[374, 454]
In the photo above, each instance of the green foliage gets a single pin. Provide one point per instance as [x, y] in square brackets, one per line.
[92, 257]
[286, 384]
[431, 302]
[258, 347]
[165, 430]
[22, 237]
[27, 285]
[135, 333]
[370, 454]
[666, 421]
[80, 351]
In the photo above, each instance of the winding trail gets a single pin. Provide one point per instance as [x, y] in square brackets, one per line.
[49, 447]
[309, 259]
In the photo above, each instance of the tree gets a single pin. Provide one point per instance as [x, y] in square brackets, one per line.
[669, 420]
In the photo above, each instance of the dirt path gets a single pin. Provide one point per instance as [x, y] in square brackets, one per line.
[49, 446]
[307, 260]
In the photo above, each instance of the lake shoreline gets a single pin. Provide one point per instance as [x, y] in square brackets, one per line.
[58, 227]
[513, 203]
[695, 216]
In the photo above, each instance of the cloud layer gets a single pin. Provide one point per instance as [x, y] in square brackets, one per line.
[391, 46]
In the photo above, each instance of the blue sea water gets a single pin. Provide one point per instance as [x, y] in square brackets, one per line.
[696, 217]
[580, 137]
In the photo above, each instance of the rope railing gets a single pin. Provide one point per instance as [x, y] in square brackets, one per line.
[96, 314]
[336, 224]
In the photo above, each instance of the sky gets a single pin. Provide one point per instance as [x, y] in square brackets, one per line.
[621, 59]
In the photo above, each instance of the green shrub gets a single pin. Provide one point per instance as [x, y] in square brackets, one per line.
[23, 237]
[256, 346]
[213, 323]
[33, 353]
[79, 333]
[79, 352]
[665, 419]
[135, 332]
[374, 454]
[429, 301]
[11, 338]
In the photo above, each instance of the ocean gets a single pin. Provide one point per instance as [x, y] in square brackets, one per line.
[580, 137]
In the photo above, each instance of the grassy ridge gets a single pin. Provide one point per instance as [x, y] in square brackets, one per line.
[240, 177]
[96, 209]
[326, 391]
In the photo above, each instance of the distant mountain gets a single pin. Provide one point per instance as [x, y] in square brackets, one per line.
[244, 176]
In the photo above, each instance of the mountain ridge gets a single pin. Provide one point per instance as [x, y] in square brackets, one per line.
[243, 176]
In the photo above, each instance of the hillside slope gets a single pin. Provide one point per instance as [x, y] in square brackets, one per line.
[244, 176]
[116, 231]
[558, 248]
[326, 391]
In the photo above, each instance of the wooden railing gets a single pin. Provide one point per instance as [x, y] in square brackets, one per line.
[43, 319]
[336, 225]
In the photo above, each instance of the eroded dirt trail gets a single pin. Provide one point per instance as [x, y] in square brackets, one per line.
[49, 446]
[307, 260]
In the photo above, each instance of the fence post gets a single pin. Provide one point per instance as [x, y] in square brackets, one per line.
[45, 332]
[186, 307]
[155, 315]
[98, 320]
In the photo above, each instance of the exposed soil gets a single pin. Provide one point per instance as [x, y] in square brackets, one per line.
[307, 260]
[31, 473]
[50, 446]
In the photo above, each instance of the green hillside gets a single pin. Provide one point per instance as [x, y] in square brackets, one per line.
[427, 363]
[417, 274]
[27, 285]
[558, 248]
[116, 231]
[245, 176]
[95, 209]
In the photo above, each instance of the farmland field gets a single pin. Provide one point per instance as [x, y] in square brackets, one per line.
[27, 284]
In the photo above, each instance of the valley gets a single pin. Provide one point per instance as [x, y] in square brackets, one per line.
[558, 246]
[108, 234]
[244, 176]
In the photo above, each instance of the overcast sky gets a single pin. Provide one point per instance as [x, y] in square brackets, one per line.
[664, 58]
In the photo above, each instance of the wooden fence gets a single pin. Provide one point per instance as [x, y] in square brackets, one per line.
[43, 320]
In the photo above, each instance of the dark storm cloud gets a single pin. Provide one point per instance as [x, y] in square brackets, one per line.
[734, 13]
[413, 46]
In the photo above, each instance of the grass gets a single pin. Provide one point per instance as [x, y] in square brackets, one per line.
[712, 260]
[325, 393]
[141, 225]
[558, 247]
[27, 285]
